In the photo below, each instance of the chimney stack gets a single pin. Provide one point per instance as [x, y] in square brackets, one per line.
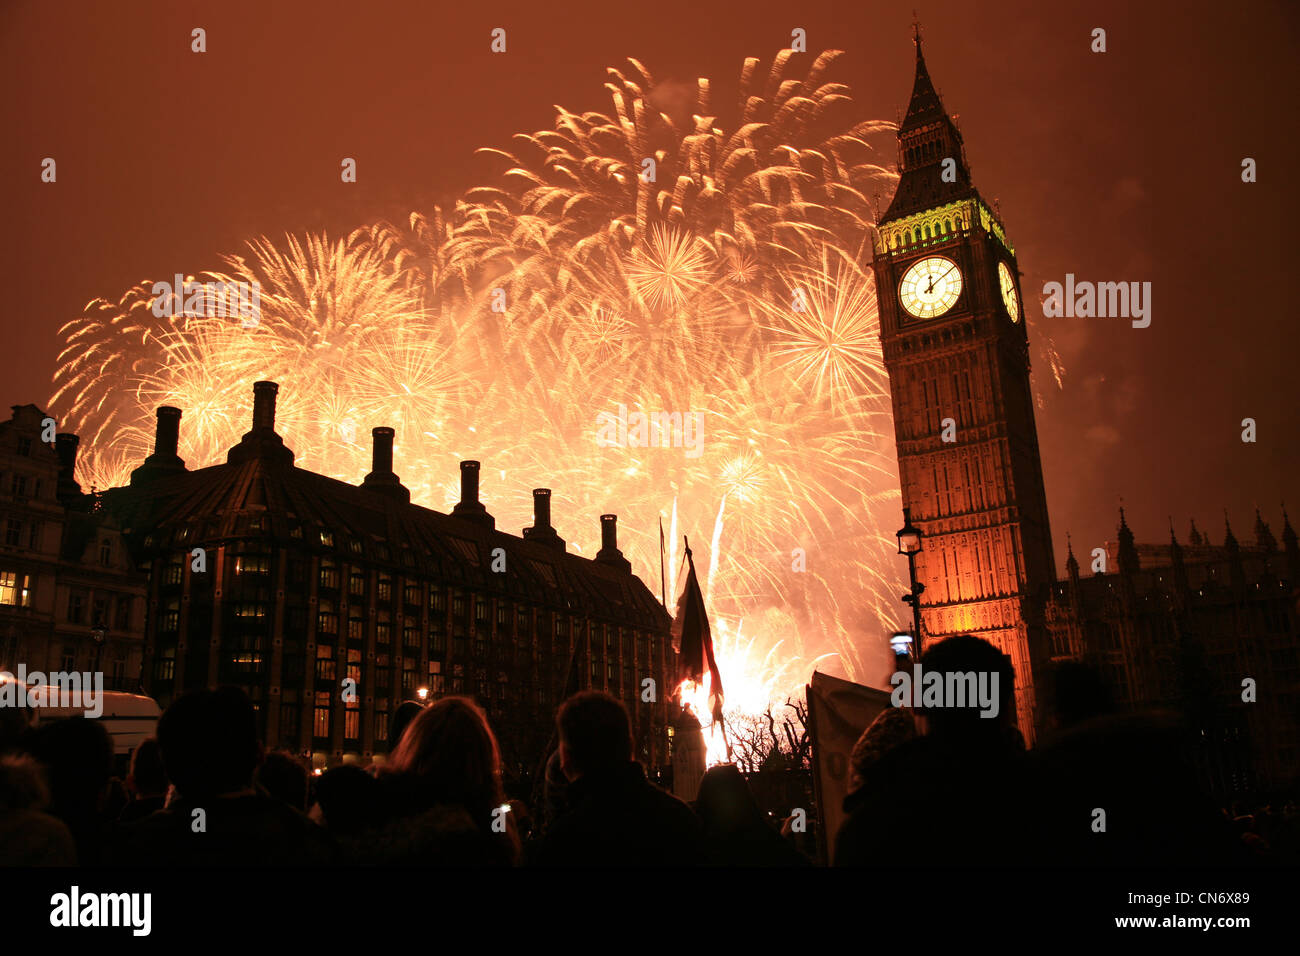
[261, 442]
[542, 509]
[264, 404]
[381, 458]
[166, 441]
[470, 508]
[65, 446]
[167, 431]
[609, 552]
[381, 477]
[541, 532]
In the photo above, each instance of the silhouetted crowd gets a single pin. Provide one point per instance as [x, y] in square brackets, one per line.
[1103, 788]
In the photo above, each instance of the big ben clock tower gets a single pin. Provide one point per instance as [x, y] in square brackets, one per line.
[956, 350]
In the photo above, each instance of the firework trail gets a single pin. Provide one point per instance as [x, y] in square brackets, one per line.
[726, 280]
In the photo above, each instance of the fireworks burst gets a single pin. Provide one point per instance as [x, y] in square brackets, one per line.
[622, 291]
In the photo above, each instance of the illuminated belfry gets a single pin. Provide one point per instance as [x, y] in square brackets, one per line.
[957, 354]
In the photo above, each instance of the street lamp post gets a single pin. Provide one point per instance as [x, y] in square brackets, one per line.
[909, 544]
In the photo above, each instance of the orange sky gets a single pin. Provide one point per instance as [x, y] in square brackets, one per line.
[1120, 166]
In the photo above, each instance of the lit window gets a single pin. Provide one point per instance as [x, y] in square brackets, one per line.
[252, 564]
[13, 591]
[321, 726]
[325, 667]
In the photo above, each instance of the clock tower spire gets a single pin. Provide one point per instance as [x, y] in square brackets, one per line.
[957, 353]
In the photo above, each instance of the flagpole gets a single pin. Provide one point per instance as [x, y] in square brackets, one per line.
[663, 581]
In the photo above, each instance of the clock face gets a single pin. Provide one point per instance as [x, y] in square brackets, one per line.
[930, 287]
[1008, 286]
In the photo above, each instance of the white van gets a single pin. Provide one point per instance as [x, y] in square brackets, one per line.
[128, 718]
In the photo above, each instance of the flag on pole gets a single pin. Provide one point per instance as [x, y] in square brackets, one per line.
[693, 640]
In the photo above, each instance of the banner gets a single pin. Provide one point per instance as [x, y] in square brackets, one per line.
[838, 712]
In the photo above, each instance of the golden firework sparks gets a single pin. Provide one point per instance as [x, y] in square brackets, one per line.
[621, 296]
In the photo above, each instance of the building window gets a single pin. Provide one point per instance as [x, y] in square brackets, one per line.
[175, 570]
[329, 573]
[327, 618]
[34, 536]
[357, 584]
[15, 589]
[247, 656]
[384, 628]
[289, 715]
[249, 609]
[295, 624]
[25, 446]
[99, 611]
[408, 675]
[325, 666]
[18, 486]
[105, 549]
[170, 619]
[321, 727]
[437, 601]
[410, 634]
[412, 592]
[69, 658]
[252, 564]
[77, 607]
[480, 610]
[164, 666]
[13, 532]
[351, 722]
[356, 624]
[385, 591]
[327, 539]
